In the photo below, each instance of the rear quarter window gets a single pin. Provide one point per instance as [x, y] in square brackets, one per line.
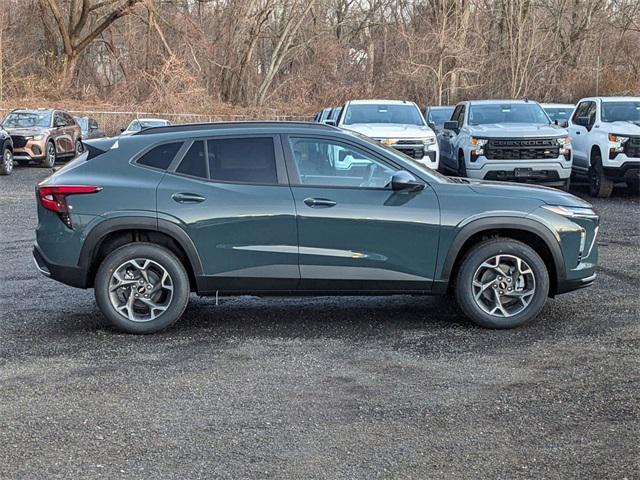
[160, 156]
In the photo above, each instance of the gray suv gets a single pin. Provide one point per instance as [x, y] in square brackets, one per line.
[262, 208]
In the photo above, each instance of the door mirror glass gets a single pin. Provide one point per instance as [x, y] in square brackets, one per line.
[404, 181]
[562, 123]
[451, 125]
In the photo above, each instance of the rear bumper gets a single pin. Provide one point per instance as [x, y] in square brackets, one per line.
[72, 276]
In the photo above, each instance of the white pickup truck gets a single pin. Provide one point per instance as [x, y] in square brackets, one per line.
[605, 133]
[511, 140]
[395, 123]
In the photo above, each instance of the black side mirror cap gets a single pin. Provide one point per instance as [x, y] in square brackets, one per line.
[330, 122]
[403, 181]
[122, 129]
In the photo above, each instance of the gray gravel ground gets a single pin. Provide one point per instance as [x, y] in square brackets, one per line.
[385, 387]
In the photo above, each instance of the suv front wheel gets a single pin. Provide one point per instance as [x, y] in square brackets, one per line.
[142, 288]
[502, 283]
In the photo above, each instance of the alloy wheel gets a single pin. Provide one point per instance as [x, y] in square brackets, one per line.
[504, 285]
[7, 160]
[51, 155]
[140, 290]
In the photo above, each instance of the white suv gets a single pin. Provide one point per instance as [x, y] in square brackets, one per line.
[395, 123]
[605, 133]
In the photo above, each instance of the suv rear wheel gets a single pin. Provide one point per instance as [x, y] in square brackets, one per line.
[599, 185]
[502, 283]
[142, 288]
[6, 167]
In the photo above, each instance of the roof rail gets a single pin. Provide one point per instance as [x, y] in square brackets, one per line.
[195, 127]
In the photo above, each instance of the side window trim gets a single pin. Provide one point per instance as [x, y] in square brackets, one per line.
[281, 170]
[292, 169]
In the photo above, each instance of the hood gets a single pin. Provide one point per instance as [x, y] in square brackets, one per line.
[391, 130]
[548, 195]
[517, 130]
[631, 128]
[28, 131]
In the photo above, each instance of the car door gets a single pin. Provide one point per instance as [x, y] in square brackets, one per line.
[231, 196]
[71, 132]
[354, 232]
[579, 131]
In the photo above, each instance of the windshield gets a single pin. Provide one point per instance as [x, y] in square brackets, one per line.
[559, 113]
[27, 119]
[440, 115]
[621, 111]
[138, 125]
[379, 113]
[507, 113]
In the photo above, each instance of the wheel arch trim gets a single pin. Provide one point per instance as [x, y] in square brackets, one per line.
[97, 234]
[502, 223]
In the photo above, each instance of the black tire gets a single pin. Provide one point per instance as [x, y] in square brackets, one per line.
[79, 148]
[599, 185]
[566, 185]
[462, 166]
[163, 257]
[50, 156]
[471, 263]
[6, 162]
[634, 184]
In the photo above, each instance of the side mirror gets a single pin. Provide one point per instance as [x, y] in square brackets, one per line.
[122, 129]
[562, 123]
[330, 122]
[431, 125]
[451, 125]
[404, 181]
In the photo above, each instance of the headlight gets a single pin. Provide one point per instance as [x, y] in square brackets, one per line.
[563, 140]
[38, 137]
[479, 142]
[429, 141]
[617, 138]
[389, 141]
[571, 211]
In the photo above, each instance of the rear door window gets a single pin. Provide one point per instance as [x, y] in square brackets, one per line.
[242, 160]
[160, 156]
[194, 163]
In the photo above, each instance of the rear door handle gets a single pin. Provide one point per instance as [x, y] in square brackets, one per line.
[187, 198]
[319, 202]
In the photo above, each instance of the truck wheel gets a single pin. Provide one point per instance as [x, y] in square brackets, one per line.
[142, 288]
[566, 185]
[599, 185]
[79, 147]
[634, 184]
[501, 283]
[6, 167]
[462, 167]
[49, 160]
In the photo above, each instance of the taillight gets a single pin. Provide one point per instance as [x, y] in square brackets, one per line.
[54, 198]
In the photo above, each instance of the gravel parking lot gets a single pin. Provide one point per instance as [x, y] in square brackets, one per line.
[385, 387]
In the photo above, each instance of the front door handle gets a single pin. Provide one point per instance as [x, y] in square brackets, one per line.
[187, 198]
[319, 202]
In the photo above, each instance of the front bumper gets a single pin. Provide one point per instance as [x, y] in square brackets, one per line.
[626, 169]
[32, 150]
[539, 171]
